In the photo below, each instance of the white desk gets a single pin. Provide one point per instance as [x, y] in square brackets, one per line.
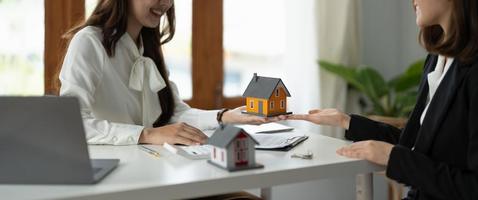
[143, 176]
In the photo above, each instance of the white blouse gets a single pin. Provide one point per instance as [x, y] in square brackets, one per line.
[434, 80]
[118, 95]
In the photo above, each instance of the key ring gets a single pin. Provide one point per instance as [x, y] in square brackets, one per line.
[308, 156]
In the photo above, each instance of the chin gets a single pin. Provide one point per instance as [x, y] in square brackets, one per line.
[151, 25]
[421, 24]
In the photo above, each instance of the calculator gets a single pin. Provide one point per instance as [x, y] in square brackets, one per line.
[196, 152]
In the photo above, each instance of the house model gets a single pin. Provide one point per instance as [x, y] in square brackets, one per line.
[266, 96]
[233, 149]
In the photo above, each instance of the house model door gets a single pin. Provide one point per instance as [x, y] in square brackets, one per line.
[261, 107]
[241, 150]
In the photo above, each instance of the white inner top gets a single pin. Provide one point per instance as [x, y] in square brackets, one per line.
[434, 80]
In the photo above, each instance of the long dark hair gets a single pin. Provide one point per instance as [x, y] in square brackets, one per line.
[462, 42]
[112, 16]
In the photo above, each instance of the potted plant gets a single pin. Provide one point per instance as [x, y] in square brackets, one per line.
[391, 101]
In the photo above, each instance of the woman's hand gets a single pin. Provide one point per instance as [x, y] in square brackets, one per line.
[330, 117]
[179, 133]
[236, 116]
[374, 151]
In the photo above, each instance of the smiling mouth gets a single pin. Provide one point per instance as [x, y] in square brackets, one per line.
[157, 12]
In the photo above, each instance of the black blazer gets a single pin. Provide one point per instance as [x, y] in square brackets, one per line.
[439, 159]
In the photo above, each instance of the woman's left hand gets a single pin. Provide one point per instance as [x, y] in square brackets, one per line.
[374, 151]
[236, 116]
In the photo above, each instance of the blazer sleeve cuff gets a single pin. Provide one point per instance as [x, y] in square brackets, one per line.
[395, 169]
[357, 124]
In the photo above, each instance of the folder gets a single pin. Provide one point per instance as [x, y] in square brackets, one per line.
[278, 142]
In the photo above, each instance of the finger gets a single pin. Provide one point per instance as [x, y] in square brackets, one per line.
[356, 150]
[315, 111]
[298, 117]
[195, 131]
[363, 144]
[343, 150]
[350, 147]
[182, 140]
[272, 119]
[191, 136]
[282, 117]
[353, 147]
[242, 108]
[339, 151]
[257, 120]
[351, 153]
[191, 133]
[187, 133]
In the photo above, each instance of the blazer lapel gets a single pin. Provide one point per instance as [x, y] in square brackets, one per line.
[439, 106]
[409, 134]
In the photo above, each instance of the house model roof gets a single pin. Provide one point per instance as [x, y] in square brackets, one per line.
[263, 87]
[225, 135]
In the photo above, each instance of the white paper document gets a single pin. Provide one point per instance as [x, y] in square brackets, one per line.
[266, 128]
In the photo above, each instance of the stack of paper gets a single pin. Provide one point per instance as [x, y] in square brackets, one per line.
[266, 128]
[283, 138]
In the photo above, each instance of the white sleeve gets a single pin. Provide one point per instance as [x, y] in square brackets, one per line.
[201, 119]
[80, 75]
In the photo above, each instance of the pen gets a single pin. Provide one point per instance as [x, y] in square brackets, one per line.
[150, 151]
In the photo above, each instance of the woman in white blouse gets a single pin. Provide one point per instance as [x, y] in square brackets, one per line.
[115, 66]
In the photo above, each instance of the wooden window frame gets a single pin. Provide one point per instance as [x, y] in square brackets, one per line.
[208, 57]
[207, 49]
[60, 16]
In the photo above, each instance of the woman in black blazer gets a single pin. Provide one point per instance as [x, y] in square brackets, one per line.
[437, 152]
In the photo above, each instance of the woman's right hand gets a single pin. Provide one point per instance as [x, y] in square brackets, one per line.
[330, 117]
[178, 133]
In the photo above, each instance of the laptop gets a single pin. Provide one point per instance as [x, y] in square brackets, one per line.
[42, 141]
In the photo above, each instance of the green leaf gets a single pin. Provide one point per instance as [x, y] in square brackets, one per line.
[375, 85]
[349, 74]
[395, 98]
[367, 81]
[405, 102]
[409, 79]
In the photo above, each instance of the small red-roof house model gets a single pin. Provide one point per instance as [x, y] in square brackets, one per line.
[233, 149]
